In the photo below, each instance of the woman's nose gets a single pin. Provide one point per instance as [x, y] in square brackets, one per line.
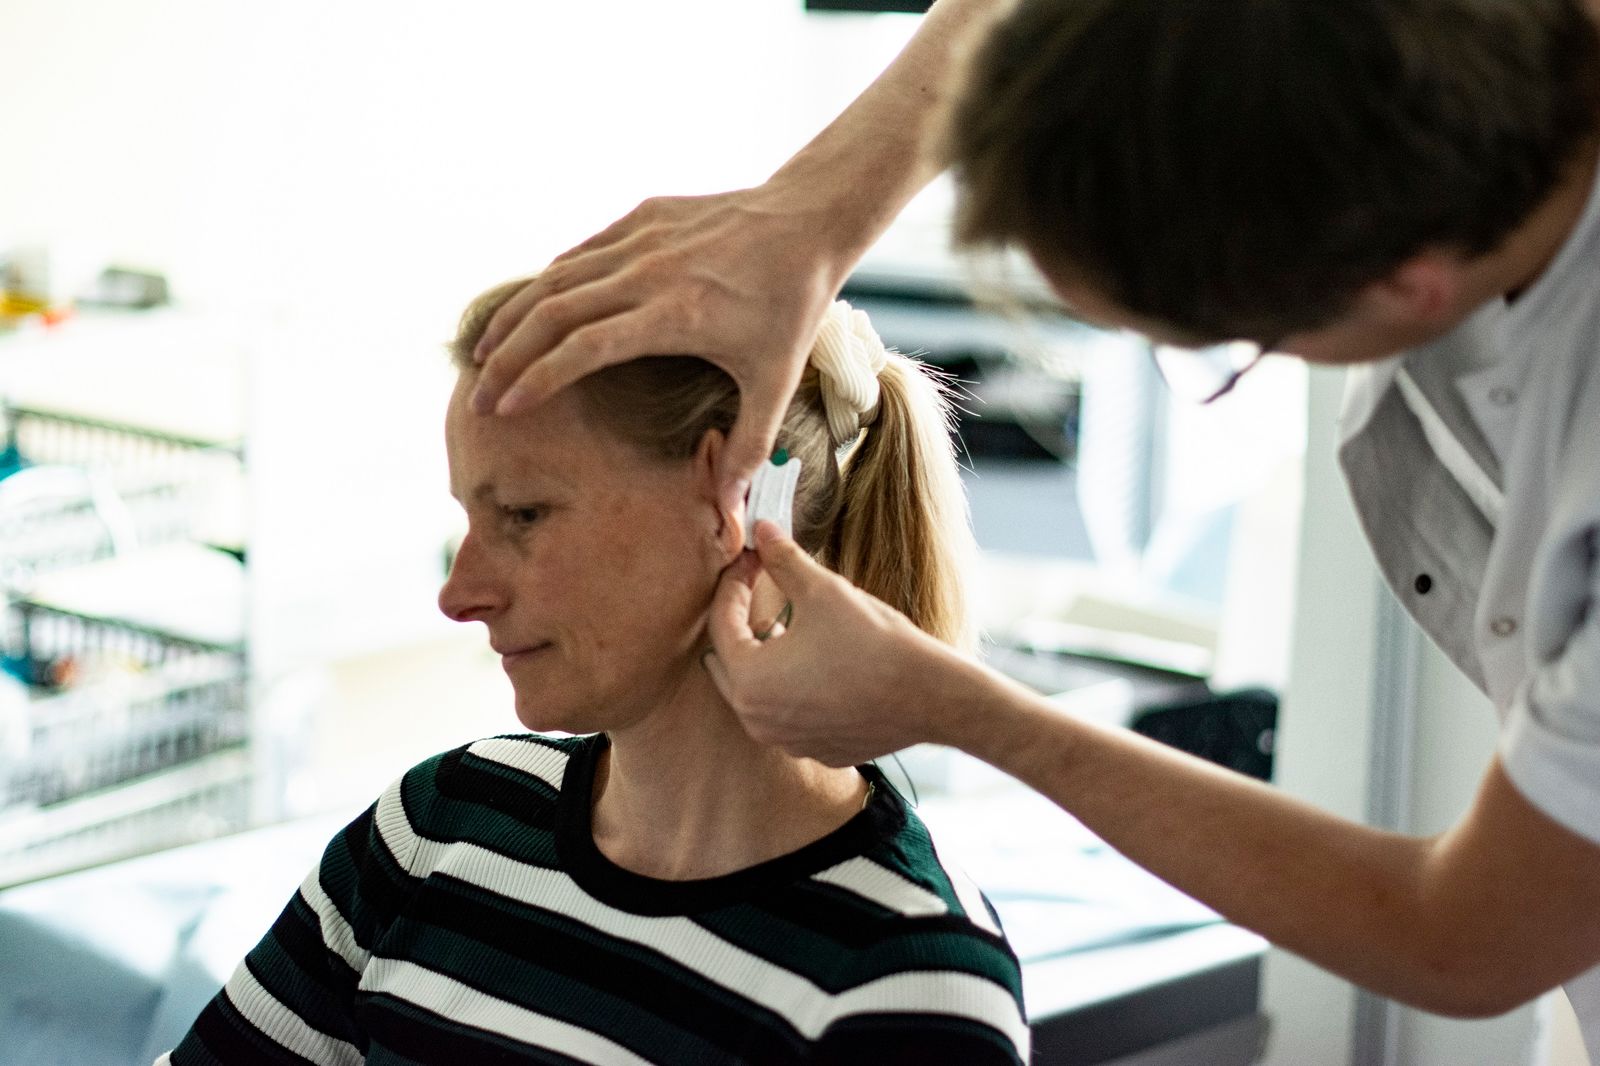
[469, 594]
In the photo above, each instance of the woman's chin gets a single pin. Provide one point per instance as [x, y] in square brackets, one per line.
[545, 714]
[548, 710]
[543, 718]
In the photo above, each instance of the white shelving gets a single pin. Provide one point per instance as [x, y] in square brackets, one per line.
[124, 707]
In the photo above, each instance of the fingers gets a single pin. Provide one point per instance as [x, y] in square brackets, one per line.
[571, 273]
[611, 340]
[590, 260]
[552, 320]
[750, 441]
[729, 621]
[506, 318]
[653, 212]
[622, 228]
[541, 315]
[746, 568]
[797, 575]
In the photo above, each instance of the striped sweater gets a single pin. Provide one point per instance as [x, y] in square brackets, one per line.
[468, 917]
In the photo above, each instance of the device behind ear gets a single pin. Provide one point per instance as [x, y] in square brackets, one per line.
[772, 495]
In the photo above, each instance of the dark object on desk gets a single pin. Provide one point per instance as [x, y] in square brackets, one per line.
[1151, 1024]
[915, 7]
[1233, 729]
[1011, 406]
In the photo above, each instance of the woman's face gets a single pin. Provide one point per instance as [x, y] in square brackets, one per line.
[591, 566]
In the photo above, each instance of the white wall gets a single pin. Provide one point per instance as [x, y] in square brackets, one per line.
[1324, 724]
[346, 140]
[1455, 738]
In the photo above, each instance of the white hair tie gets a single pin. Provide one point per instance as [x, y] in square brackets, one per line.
[849, 356]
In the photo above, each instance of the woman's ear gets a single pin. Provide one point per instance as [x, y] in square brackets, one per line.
[727, 529]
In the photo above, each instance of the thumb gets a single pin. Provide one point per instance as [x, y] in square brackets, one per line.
[729, 620]
[791, 567]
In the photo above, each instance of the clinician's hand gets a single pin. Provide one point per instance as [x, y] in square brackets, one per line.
[849, 679]
[741, 279]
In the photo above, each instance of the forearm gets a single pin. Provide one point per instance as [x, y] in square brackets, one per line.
[1415, 919]
[1473, 922]
[871, 160]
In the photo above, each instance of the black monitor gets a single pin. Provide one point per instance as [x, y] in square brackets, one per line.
[911, 6]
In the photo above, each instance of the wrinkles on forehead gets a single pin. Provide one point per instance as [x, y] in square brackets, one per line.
[490, 455]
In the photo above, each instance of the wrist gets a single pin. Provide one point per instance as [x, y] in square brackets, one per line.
[942, 691]
[851, 183]
[833, 219]
[999, 721]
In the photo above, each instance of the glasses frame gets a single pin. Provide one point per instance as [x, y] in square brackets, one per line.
[1261, 351]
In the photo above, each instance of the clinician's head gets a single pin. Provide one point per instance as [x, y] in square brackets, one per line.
[1215, 170]
[595, 539]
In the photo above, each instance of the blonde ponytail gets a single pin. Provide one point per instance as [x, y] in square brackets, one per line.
[903, 532]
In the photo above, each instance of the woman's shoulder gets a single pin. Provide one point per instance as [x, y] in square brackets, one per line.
[914, 902]
[469, 790]
[525, 757]
[933, 882]
[917, 939]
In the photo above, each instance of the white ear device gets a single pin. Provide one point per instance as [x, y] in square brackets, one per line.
[772, 495]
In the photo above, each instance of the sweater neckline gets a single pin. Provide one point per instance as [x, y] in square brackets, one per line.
[882, 818]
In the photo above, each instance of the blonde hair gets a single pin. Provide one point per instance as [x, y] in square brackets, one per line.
[886, 510]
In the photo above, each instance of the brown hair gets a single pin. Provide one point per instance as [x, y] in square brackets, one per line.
[887, 511]
[1243, 168]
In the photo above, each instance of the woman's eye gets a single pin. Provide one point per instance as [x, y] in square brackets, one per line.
[522, 516]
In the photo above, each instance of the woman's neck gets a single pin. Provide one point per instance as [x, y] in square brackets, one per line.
[685, 794]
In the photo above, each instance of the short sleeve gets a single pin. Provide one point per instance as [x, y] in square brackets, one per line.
[1551, 743]
[959, 1019]
[946, 991]
[1550, 746]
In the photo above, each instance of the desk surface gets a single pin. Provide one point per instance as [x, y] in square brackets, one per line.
[1091, 928]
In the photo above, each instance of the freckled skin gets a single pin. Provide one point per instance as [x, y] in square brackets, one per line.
[615, 571]
[604, 562]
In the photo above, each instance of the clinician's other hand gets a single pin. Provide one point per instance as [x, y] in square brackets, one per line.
[849, 679]
[740, 278]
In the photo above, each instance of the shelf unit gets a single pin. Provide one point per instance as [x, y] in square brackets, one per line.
[124, 720]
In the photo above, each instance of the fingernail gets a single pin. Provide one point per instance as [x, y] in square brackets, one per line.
[480, 401]
[481, 352]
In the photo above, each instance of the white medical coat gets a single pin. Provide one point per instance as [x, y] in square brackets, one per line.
[1474, 462]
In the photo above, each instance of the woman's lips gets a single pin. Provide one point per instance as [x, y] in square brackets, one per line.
[511, 658]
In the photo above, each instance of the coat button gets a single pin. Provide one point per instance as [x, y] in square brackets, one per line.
[1423, 584]
[1503, 627]
[1502, 396]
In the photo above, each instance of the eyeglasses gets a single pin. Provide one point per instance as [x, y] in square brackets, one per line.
[1203, 375]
